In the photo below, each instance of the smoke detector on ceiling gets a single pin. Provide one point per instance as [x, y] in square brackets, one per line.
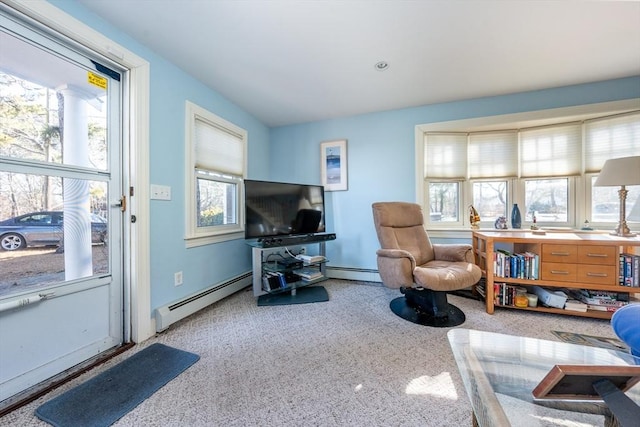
[381, 66]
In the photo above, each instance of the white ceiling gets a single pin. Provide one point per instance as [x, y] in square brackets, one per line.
[288, 61]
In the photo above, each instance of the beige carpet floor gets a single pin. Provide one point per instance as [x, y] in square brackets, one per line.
[346, 362]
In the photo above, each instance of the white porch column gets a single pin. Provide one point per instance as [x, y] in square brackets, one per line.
[78, 260]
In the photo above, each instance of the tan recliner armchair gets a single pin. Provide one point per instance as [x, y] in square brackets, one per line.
[423, 272]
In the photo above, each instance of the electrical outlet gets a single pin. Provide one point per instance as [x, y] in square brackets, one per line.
[177, 278]
[303, 250]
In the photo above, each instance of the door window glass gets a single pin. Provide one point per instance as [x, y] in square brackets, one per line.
[32, 234]
[54, 165]
[34, 105]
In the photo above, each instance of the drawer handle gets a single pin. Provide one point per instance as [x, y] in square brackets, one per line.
[560, 253]
[559, 272]
[597, 274]
[597, 255]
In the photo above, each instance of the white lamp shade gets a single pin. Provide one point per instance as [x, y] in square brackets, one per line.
[621, 171]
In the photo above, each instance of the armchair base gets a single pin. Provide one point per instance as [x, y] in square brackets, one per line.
[428, 308]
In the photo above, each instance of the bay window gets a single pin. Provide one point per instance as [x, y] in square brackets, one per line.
[545, 166]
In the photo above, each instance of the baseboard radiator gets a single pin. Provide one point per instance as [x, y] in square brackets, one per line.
[171, 313]
[348, 273]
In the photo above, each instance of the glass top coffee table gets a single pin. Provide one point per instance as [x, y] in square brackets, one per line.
[500, 372]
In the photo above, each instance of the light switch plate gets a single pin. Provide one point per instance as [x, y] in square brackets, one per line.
[160, 192]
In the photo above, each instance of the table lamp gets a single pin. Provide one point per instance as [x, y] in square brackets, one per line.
[620, 172]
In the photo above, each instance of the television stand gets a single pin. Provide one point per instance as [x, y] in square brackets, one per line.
[278, 281]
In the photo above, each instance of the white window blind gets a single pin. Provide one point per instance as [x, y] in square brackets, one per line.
[445, 155]
[493, 155]
[611, 137]
[218, 149]
[551, 151]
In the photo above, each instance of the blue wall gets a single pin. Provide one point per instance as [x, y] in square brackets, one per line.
[381, 155]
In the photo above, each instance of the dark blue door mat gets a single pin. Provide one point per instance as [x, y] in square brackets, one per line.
[104, 399]
[305, 295]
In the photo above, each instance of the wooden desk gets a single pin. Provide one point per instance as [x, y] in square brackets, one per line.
[566, 260]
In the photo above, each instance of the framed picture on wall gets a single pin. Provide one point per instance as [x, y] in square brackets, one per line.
[333, 165]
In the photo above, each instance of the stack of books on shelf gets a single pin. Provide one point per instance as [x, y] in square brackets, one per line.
[575, 305]
[272, 280]
[506, 294]
[481, 287]
[629, 270]
[600, 300]
[308, 274]
[516, 265]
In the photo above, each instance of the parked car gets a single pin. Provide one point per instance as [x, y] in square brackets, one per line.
[42, 229]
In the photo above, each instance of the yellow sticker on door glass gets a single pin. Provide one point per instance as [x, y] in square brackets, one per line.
[97, 80]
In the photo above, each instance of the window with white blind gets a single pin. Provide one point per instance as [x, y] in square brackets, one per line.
[215, 165]
[490, 174]
[547, 169]
[551, 151]
[445, 167]
[446, 156]
[609, 138]
[502, 162]
[548, 156]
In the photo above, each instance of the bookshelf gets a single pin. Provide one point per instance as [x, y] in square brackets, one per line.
[565, 260]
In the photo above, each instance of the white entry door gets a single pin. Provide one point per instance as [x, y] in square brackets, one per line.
[61, 166]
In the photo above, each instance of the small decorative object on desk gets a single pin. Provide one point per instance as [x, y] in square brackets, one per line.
[501, 223]
[474, 217]
[516, 220]
[534, 226]
[586, 226]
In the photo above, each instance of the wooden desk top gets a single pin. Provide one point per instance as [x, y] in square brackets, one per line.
[560, 237]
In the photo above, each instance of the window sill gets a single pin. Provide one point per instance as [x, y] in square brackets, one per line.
[192, 242]
[458, 233]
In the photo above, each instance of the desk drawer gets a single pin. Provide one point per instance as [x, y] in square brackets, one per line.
[560, 272]
[559, 253]
[598, 274]
[602, 255]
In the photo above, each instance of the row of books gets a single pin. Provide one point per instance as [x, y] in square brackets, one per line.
[527, 266]
[599, 300]
[504, 294]
[519, 265]
[629, 270]
[582, 300]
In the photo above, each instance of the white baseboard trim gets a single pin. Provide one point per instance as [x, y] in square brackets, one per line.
[365, 275]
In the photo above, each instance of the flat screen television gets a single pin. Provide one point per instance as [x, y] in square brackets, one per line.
[281, 209]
